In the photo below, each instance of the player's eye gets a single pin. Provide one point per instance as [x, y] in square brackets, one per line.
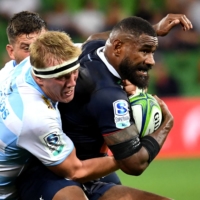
[60, 78]
[26, 48]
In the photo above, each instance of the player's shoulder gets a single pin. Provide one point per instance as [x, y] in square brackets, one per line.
[91, 46]
[37, 102]
[9, 65]
[40, 112]
[6, 71]
[23, 65]
[20, 69]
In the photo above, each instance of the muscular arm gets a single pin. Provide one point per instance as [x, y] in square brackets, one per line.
[45, 139]
[162, 28]
[86, 170]
[136, 163]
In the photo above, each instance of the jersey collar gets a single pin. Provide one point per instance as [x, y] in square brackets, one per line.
[101, 55]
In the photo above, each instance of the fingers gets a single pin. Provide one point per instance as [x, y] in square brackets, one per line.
[186, 23]
[160, 102]
[129, 87]
[165, 111]
[126, 82]
[180, 19]
[170, 21]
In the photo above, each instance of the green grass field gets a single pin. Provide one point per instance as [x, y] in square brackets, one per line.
[178, 179]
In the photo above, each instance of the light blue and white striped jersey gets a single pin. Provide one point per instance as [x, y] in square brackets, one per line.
[29, 125]
[6, 71]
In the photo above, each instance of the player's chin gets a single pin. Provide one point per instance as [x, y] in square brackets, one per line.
[67, 98]
[142, 81]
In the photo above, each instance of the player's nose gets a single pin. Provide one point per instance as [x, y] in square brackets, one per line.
[150, 59]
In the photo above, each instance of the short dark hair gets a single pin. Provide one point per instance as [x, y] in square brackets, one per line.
[24, 22]
[135, 26]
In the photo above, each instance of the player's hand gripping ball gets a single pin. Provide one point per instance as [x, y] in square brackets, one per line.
[146, 113]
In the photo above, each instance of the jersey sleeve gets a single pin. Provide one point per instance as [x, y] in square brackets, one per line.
[43, 137]
[110, 108]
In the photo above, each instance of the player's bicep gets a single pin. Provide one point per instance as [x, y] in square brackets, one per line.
[121, 136]
[44, 138]
[113, 110]
[127, 149]
[51, 148]
[124, 143]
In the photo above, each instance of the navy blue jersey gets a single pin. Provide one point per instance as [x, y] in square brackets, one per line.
[100, 105]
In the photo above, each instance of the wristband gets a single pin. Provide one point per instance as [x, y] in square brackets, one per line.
[151, 145]
[125, 149]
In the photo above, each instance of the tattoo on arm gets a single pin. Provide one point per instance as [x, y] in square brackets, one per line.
[122, 135]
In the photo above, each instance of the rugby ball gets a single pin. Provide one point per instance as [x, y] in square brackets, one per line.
[146, 113]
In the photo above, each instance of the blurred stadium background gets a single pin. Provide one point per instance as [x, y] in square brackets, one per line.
[175, 77]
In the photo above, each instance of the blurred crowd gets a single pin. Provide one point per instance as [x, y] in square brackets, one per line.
[82, 18]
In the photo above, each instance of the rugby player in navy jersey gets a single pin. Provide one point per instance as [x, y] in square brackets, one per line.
[98, 117]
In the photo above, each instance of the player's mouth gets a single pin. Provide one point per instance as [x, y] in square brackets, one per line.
[143, 71]
[69, 92]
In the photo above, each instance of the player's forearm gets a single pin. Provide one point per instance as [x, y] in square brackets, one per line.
[136, 164]
[95, 168]
[82, 171]
[99, 36]
[139, 161]
[134, 155]
[162, 132]
[155, 27]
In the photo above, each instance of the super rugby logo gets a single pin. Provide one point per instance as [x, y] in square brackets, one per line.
[54, 143]
[121, 114]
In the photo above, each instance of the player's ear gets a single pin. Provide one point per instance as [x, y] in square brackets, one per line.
[117, 47]
[38, 80]
[10, 50]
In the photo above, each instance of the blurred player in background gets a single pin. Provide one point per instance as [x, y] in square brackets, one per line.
[23, 28]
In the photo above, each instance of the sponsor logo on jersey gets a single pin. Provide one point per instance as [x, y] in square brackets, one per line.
[121, 114]
[54, 143]
[47, 102]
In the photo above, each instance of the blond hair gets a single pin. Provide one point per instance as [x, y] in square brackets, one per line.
[52, 46]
